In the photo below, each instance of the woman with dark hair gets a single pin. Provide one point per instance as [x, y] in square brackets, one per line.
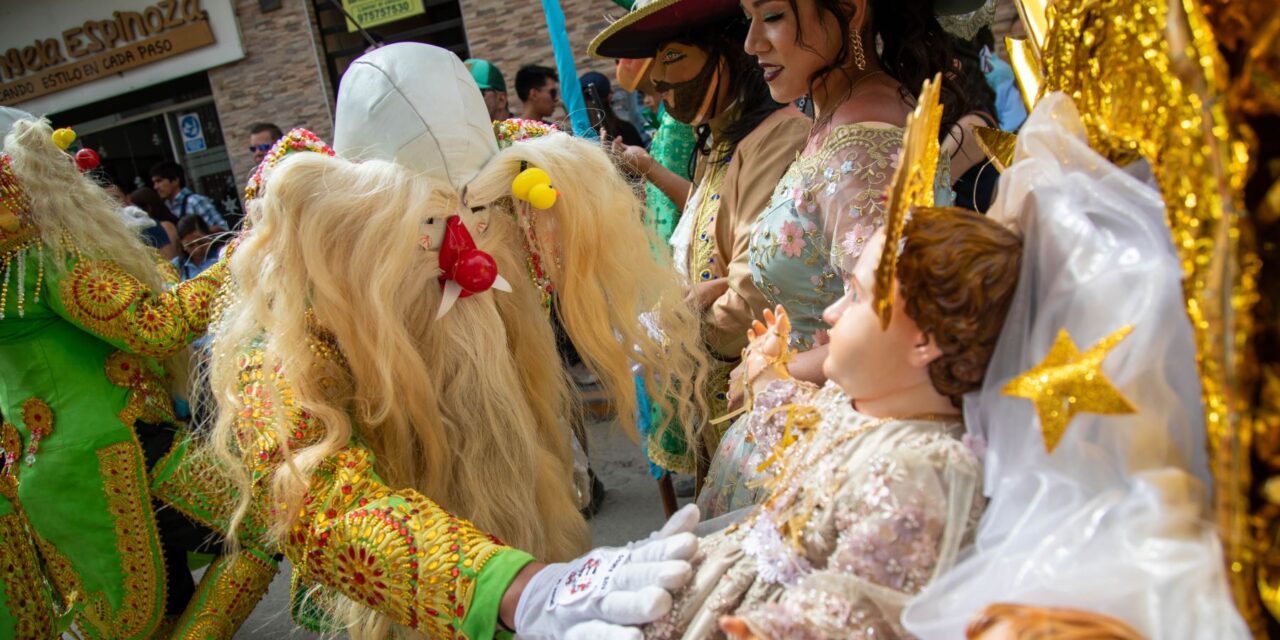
[745, 140]
[860, 63]
[148, 200]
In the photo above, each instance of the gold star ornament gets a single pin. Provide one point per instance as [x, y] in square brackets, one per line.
[1068, 382]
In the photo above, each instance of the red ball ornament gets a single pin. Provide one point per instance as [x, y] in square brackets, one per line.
[87, 159]
[475, 271]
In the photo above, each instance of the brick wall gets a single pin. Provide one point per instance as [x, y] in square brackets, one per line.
[281, 78]
[511, 34]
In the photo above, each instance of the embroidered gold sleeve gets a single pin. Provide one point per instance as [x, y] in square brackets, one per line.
[103, 299]
[395, 551]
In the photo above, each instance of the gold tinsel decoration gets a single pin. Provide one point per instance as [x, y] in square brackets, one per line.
[912, 187]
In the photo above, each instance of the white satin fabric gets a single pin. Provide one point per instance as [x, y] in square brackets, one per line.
[1116, 519]
[418, 106]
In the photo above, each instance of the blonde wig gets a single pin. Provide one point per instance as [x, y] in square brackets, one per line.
[439, 402]
[595, 248]
[76, 217]
[70, 210]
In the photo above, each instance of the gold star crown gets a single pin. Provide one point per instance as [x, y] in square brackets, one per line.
[912, 187]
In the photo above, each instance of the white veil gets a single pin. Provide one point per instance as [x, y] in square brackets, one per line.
[1115, 519]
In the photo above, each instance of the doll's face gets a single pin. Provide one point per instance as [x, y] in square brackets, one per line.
[866, 362]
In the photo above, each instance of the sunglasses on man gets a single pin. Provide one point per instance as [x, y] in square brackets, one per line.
[254, 148]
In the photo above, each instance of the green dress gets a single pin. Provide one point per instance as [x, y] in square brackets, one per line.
[80, 344]
[672, 147]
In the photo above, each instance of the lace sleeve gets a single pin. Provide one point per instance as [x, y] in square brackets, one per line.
[850, 185]
[900, 524]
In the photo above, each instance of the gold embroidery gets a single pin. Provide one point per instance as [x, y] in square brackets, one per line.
[401, 554]
[95, 613]
[189, 480]
[136, 540]
[148, 399]
[227, 594]
[111, 303]
[20, 576]
[37, 417]
[10, 445]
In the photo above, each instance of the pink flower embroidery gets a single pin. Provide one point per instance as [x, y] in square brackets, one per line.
[792, 240]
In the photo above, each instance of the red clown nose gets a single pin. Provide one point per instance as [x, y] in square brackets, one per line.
[474, 270]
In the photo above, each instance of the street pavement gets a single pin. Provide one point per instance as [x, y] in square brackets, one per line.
[631, 509]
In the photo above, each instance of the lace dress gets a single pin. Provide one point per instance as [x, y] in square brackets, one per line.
[864, 514]
[823, 211]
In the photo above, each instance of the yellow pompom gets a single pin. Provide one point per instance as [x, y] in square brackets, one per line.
[543, 196]
[526, 180]
[64, 137]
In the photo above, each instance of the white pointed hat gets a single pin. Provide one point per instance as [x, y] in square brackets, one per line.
[418, 106]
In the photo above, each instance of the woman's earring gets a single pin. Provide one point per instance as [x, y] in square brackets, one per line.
[859, 56]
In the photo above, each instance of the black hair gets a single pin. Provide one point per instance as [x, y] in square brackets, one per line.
[915, 47]
[169, 170]
[981, 96]
[271, 128]
[747, 87]
[532, 76]
[191, 223]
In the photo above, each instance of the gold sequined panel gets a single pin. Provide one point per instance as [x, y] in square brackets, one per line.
[189, 480]
[94, 616]
[148, 398]
[398, 553]
[25, 595]
[109, 302]
[228, 592]
[1169, 109]
[124, 483]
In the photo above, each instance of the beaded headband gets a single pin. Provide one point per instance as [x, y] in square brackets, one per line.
[296, 140]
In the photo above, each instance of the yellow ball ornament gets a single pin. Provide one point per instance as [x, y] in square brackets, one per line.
[64, 137]
[526, 180]
[543, 196]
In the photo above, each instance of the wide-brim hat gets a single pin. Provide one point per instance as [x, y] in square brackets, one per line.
[637, 34]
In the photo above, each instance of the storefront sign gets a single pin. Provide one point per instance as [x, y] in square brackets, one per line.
[98, 49]
[370, 13]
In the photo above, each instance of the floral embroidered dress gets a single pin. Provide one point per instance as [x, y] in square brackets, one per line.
[823, 211]
[864, 513]
[80, 375]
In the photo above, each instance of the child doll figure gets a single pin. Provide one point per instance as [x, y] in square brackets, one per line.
[868, 504]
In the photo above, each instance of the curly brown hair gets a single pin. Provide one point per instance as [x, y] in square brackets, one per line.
[957, 275]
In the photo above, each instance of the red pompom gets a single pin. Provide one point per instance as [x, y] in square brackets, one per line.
[87, 159]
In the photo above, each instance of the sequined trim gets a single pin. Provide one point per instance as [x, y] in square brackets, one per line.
[25, 596]
[136, 540]
[401, 554]
[94, 616]
[37, 417]
[148, 399]
[109, 302]
[227, 594]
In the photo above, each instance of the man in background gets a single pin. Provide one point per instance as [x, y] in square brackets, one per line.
[539, 91]
[492, 86]
[261, 136]
[168, 180]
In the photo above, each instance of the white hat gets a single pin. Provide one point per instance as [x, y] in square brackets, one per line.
[416, 105]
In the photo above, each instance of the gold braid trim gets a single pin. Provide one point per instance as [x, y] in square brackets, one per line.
[228, 593]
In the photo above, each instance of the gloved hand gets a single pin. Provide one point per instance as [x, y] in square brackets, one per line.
[603, 593]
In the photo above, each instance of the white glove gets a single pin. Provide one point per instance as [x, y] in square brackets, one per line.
[602, 593]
